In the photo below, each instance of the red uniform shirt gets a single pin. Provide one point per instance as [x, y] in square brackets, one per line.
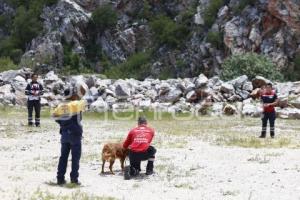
[139, 138]
[269, 98]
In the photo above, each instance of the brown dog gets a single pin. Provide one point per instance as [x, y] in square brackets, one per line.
[111, 152]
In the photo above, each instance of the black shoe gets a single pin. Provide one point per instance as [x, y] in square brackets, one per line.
[134, 171]
[127, 173]
[30, 124]
[273, 136]
[76, 182]
[38, 125]
[262, 136]
[149, 172]
[61, 182]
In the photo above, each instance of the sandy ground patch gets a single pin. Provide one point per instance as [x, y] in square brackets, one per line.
[195, 160]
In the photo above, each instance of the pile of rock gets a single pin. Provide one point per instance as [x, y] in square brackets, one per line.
[199, 95]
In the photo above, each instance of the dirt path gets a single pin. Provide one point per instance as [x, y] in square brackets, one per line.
[186, 167]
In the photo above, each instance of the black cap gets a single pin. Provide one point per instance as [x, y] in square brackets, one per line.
[142, 120]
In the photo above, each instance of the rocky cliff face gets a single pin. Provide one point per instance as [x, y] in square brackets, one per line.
[269, 27]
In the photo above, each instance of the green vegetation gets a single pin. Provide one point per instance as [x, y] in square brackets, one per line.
[216, 39]
[254, 142]
[293, 73]
[223, 131]
[186, 18]
[168, 71]
[136, 66]
[35, 5]
[145, 12]
[296, 67]
[93, 50]
[5, 22]
[7, 64]
[210, 13]
[71, 60]
[166, 31]
[25, 27]
[104, 17]
[297, 61]
[242, 5]
[46, 195]
[73, 63]
[21, 28]
[250, 64]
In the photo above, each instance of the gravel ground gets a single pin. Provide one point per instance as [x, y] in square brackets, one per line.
[188, 166]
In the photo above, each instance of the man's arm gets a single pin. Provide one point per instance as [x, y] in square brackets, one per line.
[128, 141]
[275, 103]
[41, 92]
[27, 89]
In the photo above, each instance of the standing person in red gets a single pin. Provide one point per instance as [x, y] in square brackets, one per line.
[269, 100]
[138, 142]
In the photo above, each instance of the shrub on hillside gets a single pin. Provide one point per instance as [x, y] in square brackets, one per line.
[136, 66]
[210, 13]
[241, 5]
[215, 38]
[104, 17]
[7, 64]
[25, 27]
[249, 64]
[168, 32]
[145, 12]
[293, 73]
[22, 27]
[31, 3]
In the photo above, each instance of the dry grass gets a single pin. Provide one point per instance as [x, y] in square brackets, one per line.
[172, 136]
[170, 133]
[77, 195]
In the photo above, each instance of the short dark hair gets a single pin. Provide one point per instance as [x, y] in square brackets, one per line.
[269, 84]
[142, 120]
[34, 74]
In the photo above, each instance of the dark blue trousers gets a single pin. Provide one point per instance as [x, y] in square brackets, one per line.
[135, 158]
[36, 105]
[268, 116]
[75, 149]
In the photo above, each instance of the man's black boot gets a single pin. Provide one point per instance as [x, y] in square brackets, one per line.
[149, 168]
[272, 134]
[134, 171]
[61, 181]
[127, 173]
[263, 135]
[76, 182]
[130, 172]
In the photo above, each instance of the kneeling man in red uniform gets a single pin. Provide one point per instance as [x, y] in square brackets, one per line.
[138, 142]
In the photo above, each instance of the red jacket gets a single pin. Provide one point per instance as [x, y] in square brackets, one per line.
[139, 138]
